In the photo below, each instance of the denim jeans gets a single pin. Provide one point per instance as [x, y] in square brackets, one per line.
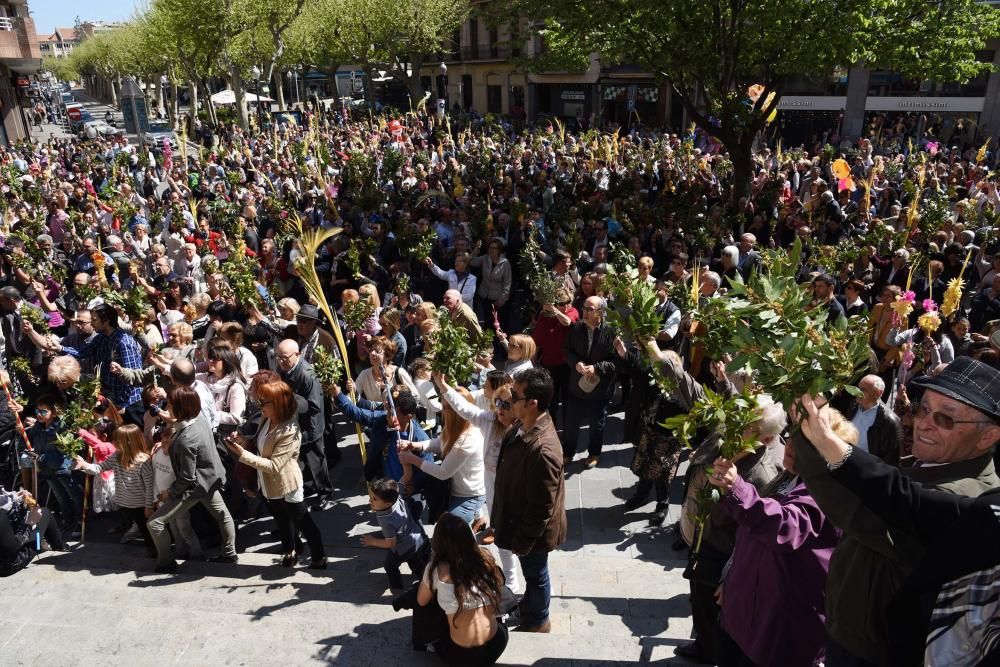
[416, 558]
[537, 589]
[465, 508]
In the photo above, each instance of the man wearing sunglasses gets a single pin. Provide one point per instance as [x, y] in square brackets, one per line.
[956, 426]
[528, 510]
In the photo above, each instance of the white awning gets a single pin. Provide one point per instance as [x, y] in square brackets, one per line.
[227, 97]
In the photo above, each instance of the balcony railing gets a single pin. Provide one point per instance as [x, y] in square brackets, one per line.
[481, 52]
[18, 40]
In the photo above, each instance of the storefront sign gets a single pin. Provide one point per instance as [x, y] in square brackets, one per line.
[573, 96]
[812, 103]
[838, 103]
[961, 104]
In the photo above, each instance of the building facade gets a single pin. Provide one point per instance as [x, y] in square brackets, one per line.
[58, 44]
[20, 57]
[486, 70]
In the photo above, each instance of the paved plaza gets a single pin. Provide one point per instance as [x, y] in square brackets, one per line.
[618, 596]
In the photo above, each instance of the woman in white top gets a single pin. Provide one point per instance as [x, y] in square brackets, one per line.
[461, 450]
[371, 382]
[468, 585]
[228, 384]
[493, 424]
[459, 278]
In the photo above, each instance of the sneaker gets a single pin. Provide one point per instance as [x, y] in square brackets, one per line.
[591, 462]
[225, 559]
[131, 534]
[544, 628]
[660, 515]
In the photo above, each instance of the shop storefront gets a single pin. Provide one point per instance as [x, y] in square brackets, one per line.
[626, 104]
[564, 100]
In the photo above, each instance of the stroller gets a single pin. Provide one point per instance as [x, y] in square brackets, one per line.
[10, 469]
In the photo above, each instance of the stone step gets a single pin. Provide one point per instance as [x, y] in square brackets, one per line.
[604, 610]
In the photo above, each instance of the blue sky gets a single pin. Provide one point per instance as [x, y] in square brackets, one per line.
[49, 14]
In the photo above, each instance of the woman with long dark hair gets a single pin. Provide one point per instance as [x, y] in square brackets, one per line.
[460, 448]
[228, 384]
[467, 584]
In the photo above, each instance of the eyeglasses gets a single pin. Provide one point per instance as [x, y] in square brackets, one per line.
[502, 404]
[287, 357]
[41, 412]
[941, 420]
[517, 399]
[590, 309]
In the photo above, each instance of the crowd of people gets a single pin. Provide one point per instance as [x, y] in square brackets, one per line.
[166, 354]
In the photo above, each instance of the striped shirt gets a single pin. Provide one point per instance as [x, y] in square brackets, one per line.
[133, 487]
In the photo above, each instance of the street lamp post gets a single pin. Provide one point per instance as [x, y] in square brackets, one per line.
[255, 73]
[443, 86]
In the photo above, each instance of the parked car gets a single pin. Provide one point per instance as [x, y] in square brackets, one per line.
[101, 128]
[78, 118]
[158, 131]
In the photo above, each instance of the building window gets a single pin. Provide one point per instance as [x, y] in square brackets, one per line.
[494, 99]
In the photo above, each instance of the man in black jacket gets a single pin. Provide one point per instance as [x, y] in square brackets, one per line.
[300, 377]
[589, 350]
[879, 429]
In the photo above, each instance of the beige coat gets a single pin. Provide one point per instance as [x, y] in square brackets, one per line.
[278, 461]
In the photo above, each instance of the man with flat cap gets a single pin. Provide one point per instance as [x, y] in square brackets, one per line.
[311, 336]
[956, 426]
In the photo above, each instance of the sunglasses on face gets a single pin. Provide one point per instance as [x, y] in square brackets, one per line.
[941, 420]
[502, 404]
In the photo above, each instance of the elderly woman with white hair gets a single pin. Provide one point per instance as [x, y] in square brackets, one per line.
[757, 468]
[772, 597]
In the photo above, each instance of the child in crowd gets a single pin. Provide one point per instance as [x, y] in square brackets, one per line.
[54, 467]
[133, 478]
[186, 543]
[420, 371]
[403, 537]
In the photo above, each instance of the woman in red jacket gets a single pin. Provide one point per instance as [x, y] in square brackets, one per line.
[550, 331]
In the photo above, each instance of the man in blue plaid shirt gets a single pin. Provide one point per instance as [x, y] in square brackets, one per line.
[111, 344]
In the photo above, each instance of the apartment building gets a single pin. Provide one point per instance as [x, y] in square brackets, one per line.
[19, 58]
[58, 44]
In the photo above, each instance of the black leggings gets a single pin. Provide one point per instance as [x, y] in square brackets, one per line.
[460, 656]
[138, 515]
[292, 518]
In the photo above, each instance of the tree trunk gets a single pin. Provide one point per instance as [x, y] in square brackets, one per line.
[113, 91]
[174, 104]
[236, 79]
[279, 86]
[370, 88]
[193, 109]
[742, 156]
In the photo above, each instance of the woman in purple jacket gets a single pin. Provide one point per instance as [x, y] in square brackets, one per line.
[772, 593]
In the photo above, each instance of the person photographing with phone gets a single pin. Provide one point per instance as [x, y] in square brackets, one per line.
[279, 440]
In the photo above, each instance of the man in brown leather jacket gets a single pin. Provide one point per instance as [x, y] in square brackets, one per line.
[529, 513]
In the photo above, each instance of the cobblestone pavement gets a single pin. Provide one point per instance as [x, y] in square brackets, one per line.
[618, 596]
